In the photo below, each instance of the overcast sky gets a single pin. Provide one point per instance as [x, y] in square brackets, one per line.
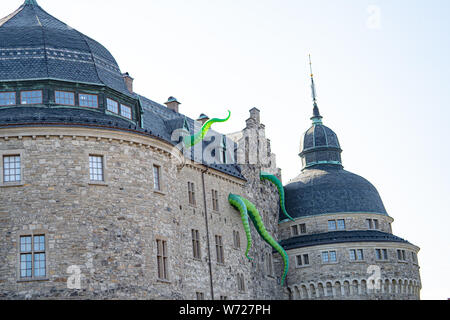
[382, 75]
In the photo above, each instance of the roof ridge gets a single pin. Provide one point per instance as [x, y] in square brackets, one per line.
[10, 16]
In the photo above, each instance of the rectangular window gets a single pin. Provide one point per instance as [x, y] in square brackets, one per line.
[360, 254]
[125, 111]
[215, 200]
[32, 257]
[11, 168]
[88, 100]
[375, 224]
[31, 97]
[219, 250]
[331, 225]
[341, 224]
[329, 256]
[303, 260]
[236, 239]
[294, 230]
[381, 254]
[325, 258]
[241, 282]
[401, 254]
[191, 193]
[306, 259]
[96, 168]
[385, 254]
[269, 266]
[333, 257]
[65, 98]
[352, 254]
[223, 298]
[162, 259]
[7, 98]
[302, 228]
[196, 244]
[156, 178]
[112, 106]
[369, 223]
[299, 260]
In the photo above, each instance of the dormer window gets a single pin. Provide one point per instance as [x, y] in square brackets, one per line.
[125, 111]
[223, 150]
[7, 98]
[31, 97]
[65, 98]
[112, 106]
[88, 100]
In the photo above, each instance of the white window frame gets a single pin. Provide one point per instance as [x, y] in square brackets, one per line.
[11, 153]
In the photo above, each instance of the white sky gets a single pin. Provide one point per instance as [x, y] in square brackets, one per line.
[383, 86]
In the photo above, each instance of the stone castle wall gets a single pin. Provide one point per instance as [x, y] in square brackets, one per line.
[109, 229]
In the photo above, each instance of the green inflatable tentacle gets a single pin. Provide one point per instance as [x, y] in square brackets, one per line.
[190, 141]
[259, 225]
[279, 185]
[237, 202]
[245, 206]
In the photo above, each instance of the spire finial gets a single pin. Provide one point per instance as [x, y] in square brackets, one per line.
[31, 2]
[317, 118]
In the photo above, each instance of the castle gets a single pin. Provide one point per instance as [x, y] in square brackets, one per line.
[97, 200]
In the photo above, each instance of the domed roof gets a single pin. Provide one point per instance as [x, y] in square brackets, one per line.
[319, 136]
[35, 45]
[326, 189]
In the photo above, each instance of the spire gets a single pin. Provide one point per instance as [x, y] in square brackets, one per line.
[317, 118]
[30, 2]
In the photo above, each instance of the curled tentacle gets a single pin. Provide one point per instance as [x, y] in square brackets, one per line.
[237, 202]
[273, 179]
[190, 141]
[259, 225]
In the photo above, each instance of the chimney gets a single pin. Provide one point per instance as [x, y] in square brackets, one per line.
[254, 120]
[203, 118]
[128, 81]
[173, 104]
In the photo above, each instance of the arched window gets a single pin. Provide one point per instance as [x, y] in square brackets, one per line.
[355, 288]
[346, 288]
[312, 289]
[321, 291]
[338, 289]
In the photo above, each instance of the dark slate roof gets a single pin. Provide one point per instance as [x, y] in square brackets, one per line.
[35, 45]
[319, 136]
[156, 115]
[325, 189]
[339, 237]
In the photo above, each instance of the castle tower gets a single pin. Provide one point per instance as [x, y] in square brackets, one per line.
[341, 244]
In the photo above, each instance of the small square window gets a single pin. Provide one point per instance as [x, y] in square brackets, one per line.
[294, 230]
[360, 254]
[341, 224]
[125, 111]
[332, 225]
[325, 258]
[302, 228]
[112, 106]
[299, 260]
